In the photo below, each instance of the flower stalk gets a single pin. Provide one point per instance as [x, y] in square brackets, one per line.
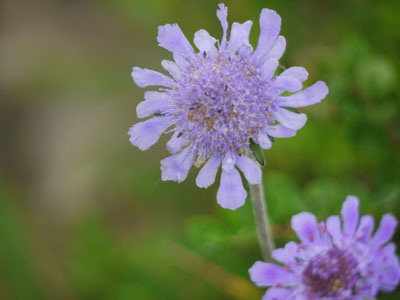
[262, 221]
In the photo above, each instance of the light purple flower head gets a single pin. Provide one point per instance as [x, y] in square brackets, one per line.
[334, 260]
[220, 100]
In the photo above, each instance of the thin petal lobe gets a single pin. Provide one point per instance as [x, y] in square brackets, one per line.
[231, 193]
[250, 169]
[290, 119]
[270, 26]
[171, 37]
[306, 227]
[239, 35]
[206, 176]
[155, 102]
[176, 167]
[299, 73]
[145, 77]
[350, 215]
[311, 95]
[145, 134]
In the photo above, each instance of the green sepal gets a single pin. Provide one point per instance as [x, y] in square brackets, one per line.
[292, 109]
[257, 152]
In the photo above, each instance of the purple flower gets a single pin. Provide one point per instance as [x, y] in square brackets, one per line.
[220, 100]
[332, 261]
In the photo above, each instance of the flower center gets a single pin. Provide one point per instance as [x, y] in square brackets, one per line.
[331, 273]
[220, 103]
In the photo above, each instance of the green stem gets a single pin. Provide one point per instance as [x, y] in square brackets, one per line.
[262, 221]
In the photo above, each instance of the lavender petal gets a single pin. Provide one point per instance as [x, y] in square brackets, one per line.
[145, 134]
[306, 227]
[231, 193]
[171, 37]
[250, 169]
[311, 95]
[270, 26]
[206, 176]
[145, 77]
[350, 215]
[176, 167]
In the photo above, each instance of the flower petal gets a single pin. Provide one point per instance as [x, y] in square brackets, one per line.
[270, 25]
[287, 254]
[245, 50]
[311, 95]
[280, 131]
[268, 69]
[231, 193]
[388, 249]
[204, 42]
[278, 49]
[176, 167]
[250, 169]
[350, 215]
[181, 61]
[306, 227]
[172, 68]
[290, 119]
[206, 176]
[155, 102]
[391, 277]
[276, 294]
[283, 83]
[333, 227]
[239, 35]
[145, 134]
[326, 240]
[145, 77]
[357, 298]
[222, 14]
[365, 228]
[171, 37]
[299, 73]
[385, 231]
[176, 143]
[263, 140]
[267, 274]
[228, 162]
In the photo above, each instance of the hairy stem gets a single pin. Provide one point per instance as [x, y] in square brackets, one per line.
[262, 221]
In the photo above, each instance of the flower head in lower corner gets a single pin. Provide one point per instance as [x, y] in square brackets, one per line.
[220, 101]
[333, 261]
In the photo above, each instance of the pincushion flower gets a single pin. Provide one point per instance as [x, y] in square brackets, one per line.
[333, 261]
[220, 100]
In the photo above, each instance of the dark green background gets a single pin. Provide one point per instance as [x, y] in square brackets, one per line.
[84, 215]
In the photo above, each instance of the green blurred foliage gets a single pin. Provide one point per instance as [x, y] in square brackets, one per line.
[15, 268]
[140, 238]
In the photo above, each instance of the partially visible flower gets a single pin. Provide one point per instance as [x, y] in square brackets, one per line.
[219, 101]
[332, 261]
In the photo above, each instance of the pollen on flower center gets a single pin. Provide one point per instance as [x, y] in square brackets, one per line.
[331, 273]
[221, 102]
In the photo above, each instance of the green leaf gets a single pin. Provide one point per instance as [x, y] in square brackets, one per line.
[257, 152]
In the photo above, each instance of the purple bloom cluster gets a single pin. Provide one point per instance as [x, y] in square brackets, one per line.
[332, 261]
[219, 100]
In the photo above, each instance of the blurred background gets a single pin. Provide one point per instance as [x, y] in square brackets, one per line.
[84, 215]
